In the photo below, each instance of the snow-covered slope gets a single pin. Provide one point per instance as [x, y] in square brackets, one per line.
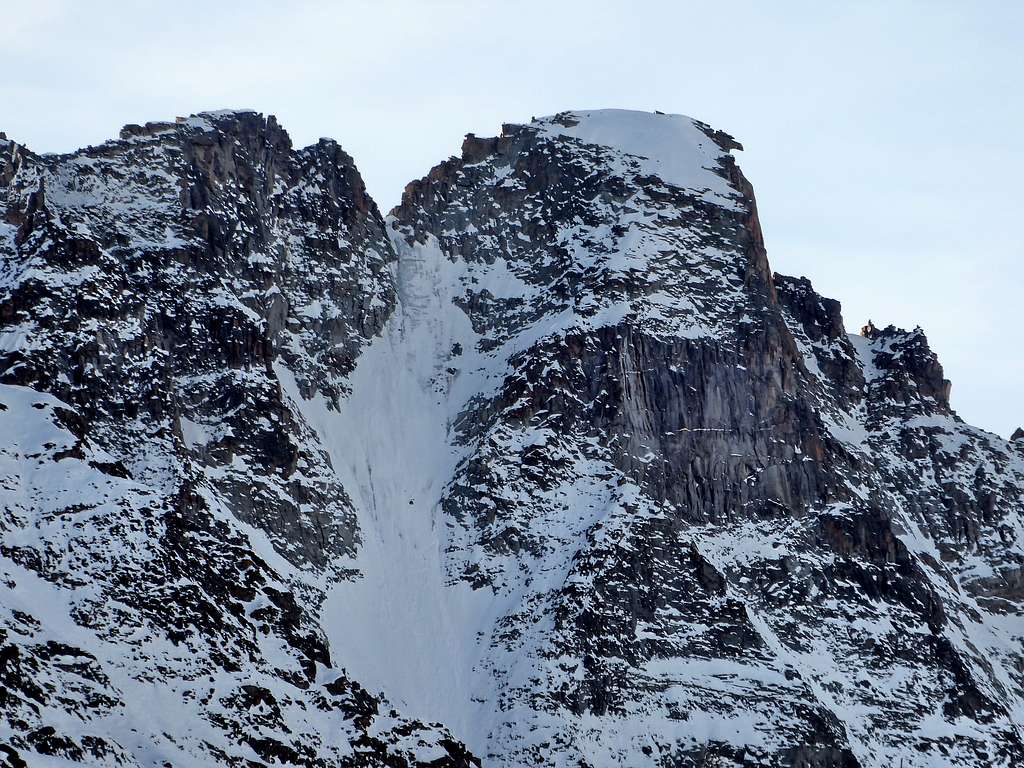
[549, 457]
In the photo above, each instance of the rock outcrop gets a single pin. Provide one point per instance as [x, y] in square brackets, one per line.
[548, 464]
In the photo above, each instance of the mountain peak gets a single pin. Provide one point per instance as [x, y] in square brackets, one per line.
[548, 457]
[677, 149]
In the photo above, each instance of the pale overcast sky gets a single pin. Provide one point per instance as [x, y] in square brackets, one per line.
[884, 139]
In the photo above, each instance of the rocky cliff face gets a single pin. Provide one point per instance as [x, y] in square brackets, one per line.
[549, 458]
[170, 522]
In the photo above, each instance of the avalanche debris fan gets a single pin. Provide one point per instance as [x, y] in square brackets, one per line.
[546, 467]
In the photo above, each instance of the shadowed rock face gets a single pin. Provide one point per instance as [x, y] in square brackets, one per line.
[551, 457]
